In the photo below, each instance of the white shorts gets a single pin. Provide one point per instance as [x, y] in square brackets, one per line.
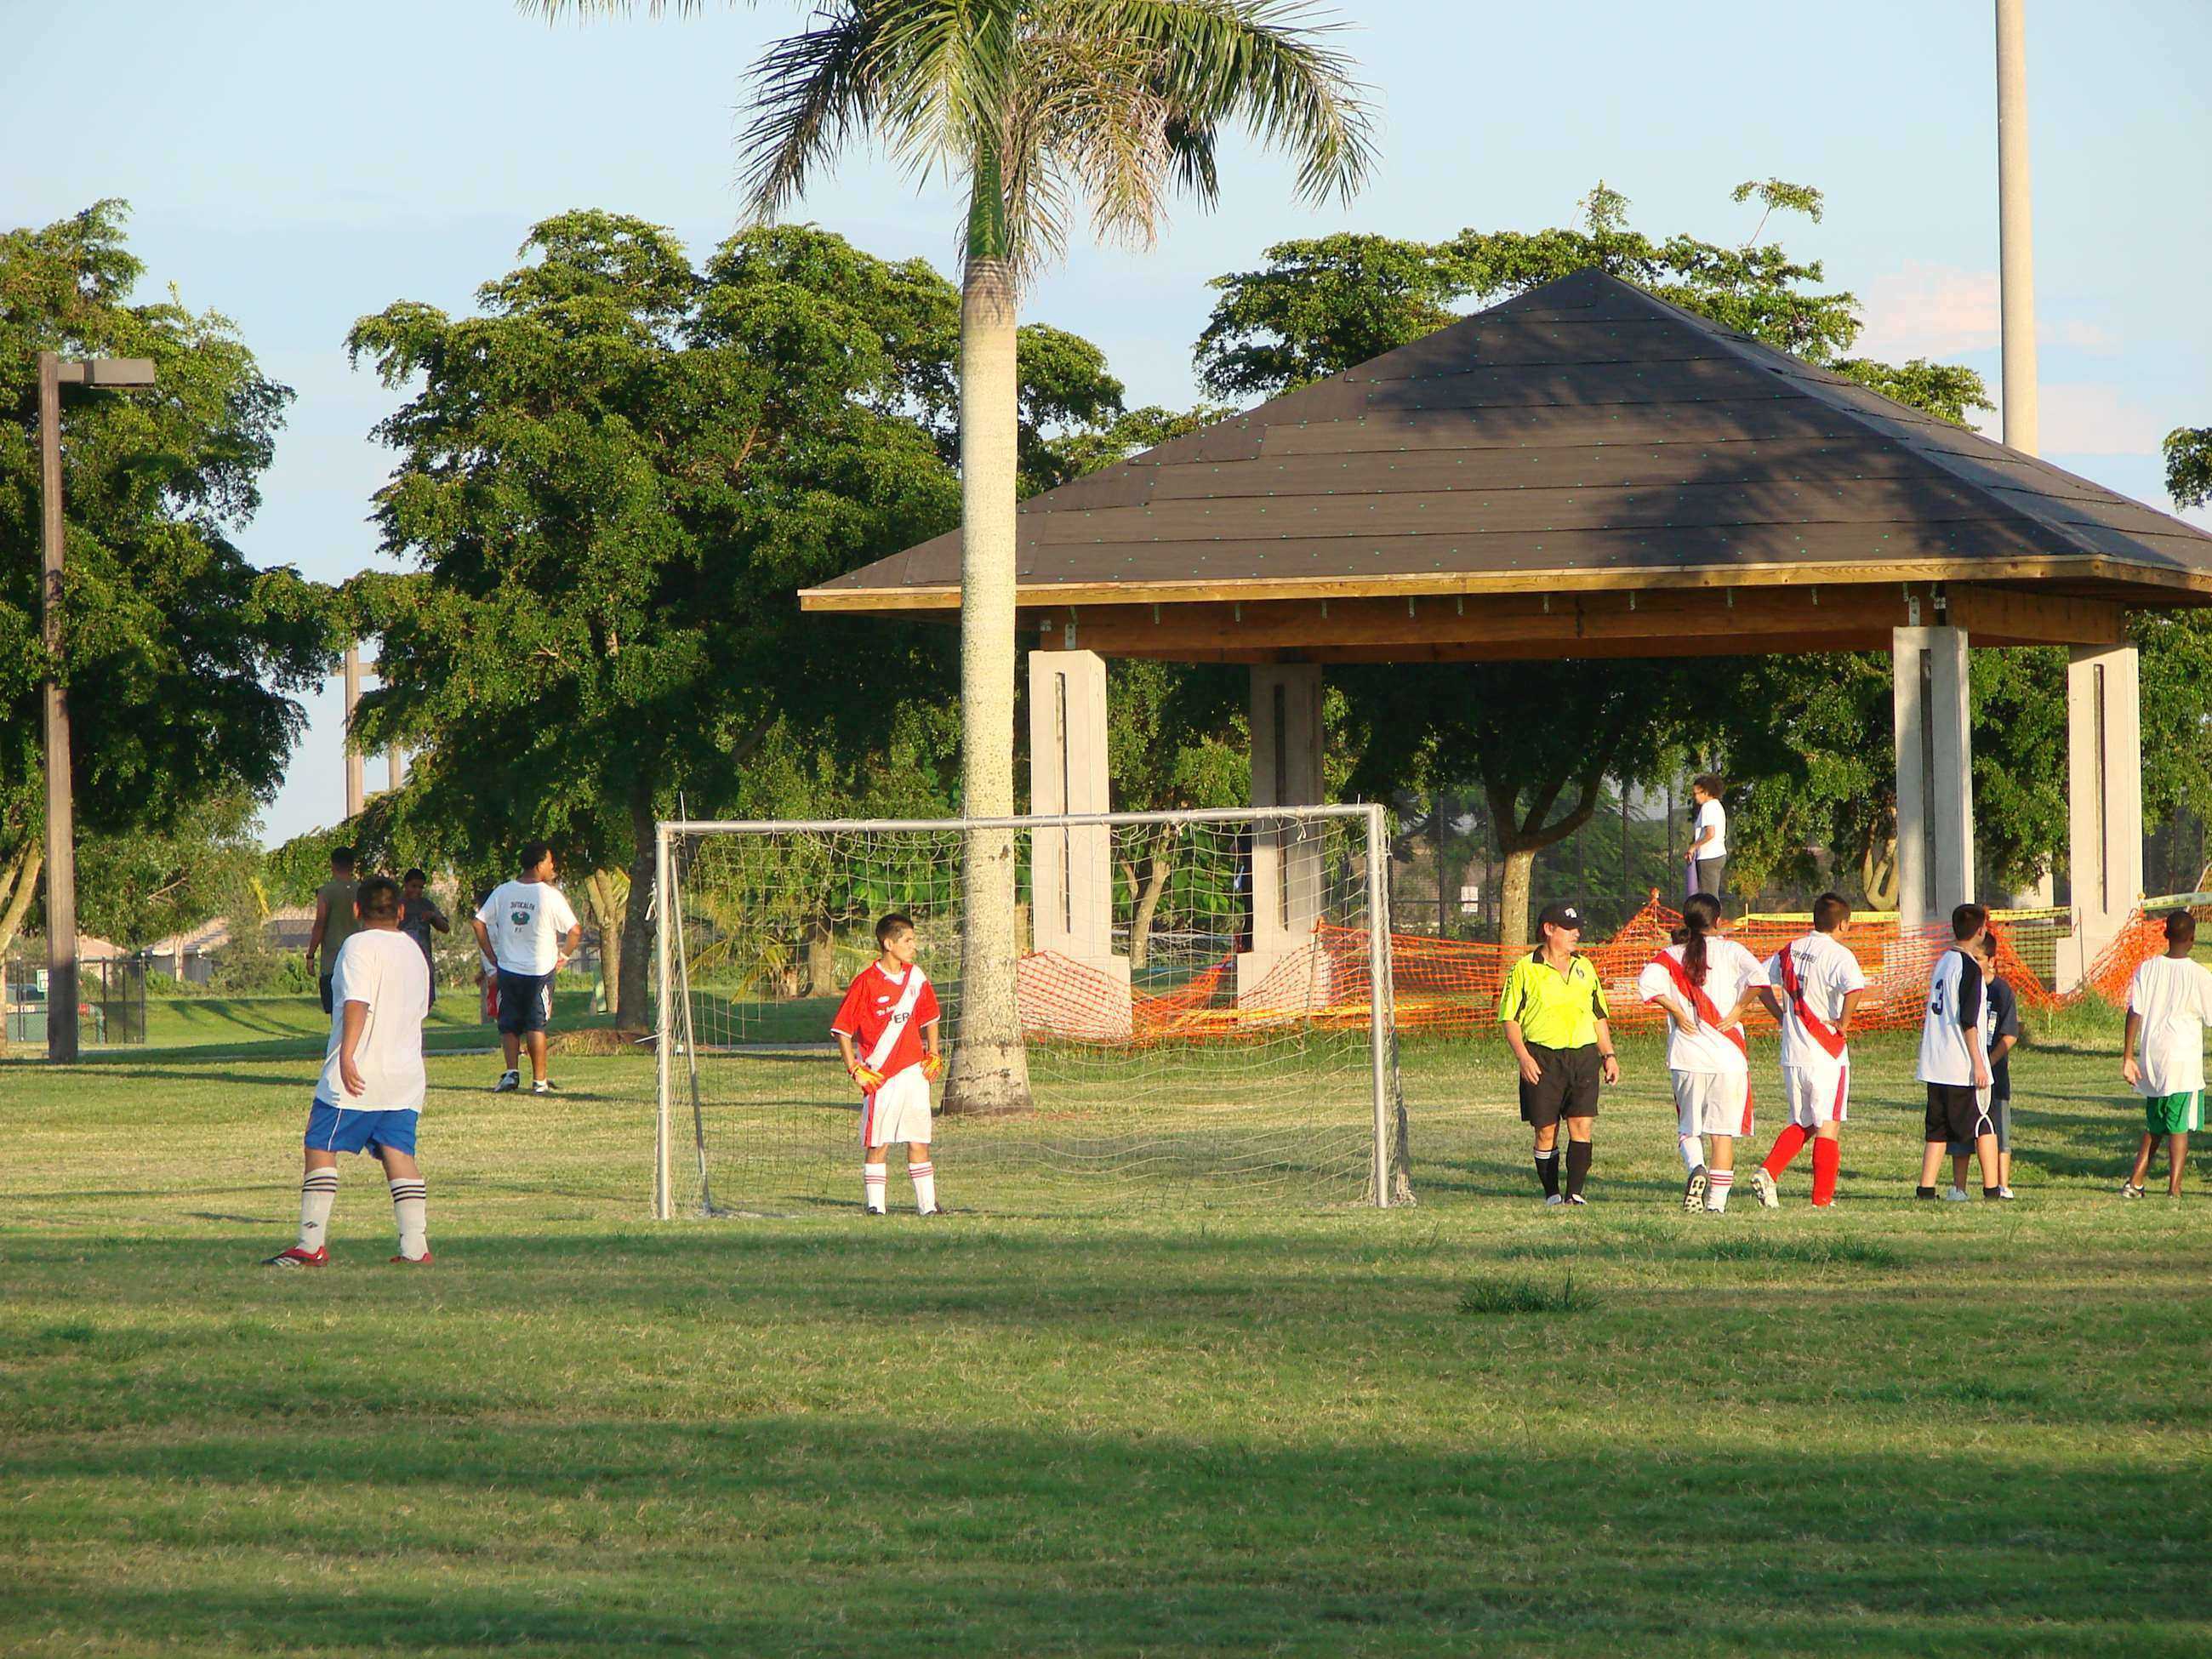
[1712, 1102]
[899, 1111]
[1814, 1095]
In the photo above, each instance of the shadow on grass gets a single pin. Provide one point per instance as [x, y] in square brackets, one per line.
[778, 1534]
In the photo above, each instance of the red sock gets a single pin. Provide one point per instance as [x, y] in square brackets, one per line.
[1787, 1146]
[1828, 1156]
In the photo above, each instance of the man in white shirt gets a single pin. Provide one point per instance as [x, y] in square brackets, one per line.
[1708, 852]
[1815, 984]
[2169, 1000]
[370, 1095]
[526, 932]
[1954, 1061]
[1704, 982]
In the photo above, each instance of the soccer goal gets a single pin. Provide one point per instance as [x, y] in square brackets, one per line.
[1201, 1001]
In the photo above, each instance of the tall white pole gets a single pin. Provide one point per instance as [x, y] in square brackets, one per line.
[2015, 231]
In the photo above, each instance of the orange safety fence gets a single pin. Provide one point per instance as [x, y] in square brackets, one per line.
[1449, 988]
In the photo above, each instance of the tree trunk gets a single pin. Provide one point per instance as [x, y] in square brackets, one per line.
[609, 924]
[21, 883]
[1878, 872]
[821, 954]
[633, 993]
[1148, 901]
[1513, 898]
[990, 1068]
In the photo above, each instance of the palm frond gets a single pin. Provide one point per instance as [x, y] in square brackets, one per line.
[814, 90]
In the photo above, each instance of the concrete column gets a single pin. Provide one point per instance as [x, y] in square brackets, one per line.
[1072, 870]
[395, 767]
[1935, 772]
[1287, 870]
[2104, 808]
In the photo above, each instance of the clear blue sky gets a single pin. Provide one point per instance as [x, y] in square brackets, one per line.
[298, 166]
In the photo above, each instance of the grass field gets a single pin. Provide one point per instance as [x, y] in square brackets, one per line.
[1472, 1426]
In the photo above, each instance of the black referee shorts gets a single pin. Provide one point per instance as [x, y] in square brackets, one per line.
[1568, 1086]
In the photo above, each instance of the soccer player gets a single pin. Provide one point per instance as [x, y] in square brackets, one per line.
[418, 914]
[370, 1095]
[2169, 1000]
[1553, 1011]
[526, 932]
[2000, 1031]
[1704, 982]
[886, 1030]
[334, 920]
[1708, 851]
[1954, 1063]
[1820, 985]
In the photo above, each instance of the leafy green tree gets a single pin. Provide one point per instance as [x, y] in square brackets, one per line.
[147, 884]
[2189, 465]
[181, 658]
[1033, 107]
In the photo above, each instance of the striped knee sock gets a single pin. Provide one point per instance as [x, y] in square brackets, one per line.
[925, 1187]
[1717, 1182]
[1547, 1171]
[318, 1192]
[410, 1208]
[872, 1177]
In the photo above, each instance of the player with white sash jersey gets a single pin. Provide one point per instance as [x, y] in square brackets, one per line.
[886, 1028]
[1704, 982]
[1815, 984]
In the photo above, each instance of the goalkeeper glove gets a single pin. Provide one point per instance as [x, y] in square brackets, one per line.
[868, 1077]
[932, 1067]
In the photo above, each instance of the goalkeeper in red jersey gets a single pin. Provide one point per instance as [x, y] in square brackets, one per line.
[886, 1028]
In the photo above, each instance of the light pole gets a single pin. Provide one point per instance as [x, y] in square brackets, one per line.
[2015, 236]
[61, 814]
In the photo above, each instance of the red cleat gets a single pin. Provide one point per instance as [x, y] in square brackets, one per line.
[421, 1261]
[296, 1257]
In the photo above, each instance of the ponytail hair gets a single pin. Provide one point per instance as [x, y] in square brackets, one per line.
[1701, 914]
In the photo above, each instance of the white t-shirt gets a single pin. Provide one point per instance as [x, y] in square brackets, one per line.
[1712, 816]
[1826, 974]
[385, 968]
[527, 921]
[1951, 1029]
[2172, 996]
[1730, 971]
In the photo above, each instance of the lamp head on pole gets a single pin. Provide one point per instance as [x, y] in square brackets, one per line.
[109, 371]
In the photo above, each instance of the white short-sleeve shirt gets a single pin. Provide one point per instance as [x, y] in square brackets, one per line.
[1712, 816]
[527, 921]
[1730, 971]
[2172, 997]
[385, 968]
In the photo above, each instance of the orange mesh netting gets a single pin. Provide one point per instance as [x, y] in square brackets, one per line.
[1450, 987]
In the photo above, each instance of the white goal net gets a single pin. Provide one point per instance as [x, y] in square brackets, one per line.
[1202, 1000]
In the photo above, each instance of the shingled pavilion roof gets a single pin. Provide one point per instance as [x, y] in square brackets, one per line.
[1553, 467]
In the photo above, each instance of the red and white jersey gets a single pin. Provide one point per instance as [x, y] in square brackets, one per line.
[1825, 973]
[884, 1014]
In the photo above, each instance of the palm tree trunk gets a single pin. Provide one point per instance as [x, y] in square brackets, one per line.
[608, 924]
[990, 1068]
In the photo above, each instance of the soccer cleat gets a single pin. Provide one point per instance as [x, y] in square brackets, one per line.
[1553, 1201]
[421, 1261]
[927, 1215]
[1763, 1184]
[1956, 1195]
[543, 1086]
[2132, 1191]
[507, 1084]
[1577, 1201]
[296, 1257]
[2006, 1194]
[1693, 1190]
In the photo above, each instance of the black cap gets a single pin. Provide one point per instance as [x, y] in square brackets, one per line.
[1558, 914]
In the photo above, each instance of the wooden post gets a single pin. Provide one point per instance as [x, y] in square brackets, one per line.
[61, 806]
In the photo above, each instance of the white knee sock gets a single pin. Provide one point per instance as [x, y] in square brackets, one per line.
[925, 1186]
[1692, 1150]
[410, 1208]
[872, 1177]
[1718, 1185]
[319, 1191]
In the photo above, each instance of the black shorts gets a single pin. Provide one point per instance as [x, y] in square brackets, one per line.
[525, 1002]
[1955, 1112]
[322, 984]
[2001, 1114]
[1569, 1087]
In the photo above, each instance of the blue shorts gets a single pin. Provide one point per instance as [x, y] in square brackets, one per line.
[525, 1002]
[343, 1129]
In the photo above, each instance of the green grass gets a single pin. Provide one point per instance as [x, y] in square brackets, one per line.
[295, 1027]
[1525, 1296]
[1897, 1428]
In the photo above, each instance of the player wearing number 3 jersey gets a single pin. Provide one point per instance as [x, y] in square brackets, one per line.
[886, 1028]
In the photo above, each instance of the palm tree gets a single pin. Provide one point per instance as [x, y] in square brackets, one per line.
[1036, 106]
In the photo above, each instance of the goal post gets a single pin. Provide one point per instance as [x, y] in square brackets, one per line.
[1205, 997]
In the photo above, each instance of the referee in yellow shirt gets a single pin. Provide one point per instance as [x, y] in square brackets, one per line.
[1553, 1011]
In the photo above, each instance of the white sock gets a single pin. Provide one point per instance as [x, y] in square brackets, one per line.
[319, 1190]
[1717, 1183]
[872, 1177]
[1692, 1150]
[410, 1208]
[925, 1186]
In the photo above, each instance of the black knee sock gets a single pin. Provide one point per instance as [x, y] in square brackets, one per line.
[1547, 1171]
[1578, 1160]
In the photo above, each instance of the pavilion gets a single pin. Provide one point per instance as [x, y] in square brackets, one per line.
[1585, 471]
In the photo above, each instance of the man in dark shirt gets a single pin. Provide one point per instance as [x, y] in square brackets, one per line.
[418, 914]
